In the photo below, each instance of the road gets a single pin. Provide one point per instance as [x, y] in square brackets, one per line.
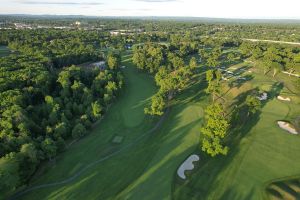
[271, 41]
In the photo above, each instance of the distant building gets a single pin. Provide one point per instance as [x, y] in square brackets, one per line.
[22, 26]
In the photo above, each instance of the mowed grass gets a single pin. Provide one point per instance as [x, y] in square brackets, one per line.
[4, 51]
[144, 170]
[264, 153]
[139, 87]
[177, 139]
[284, 189]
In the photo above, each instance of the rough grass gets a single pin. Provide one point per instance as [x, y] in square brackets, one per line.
[263, 152]
[143, 171]
[147, 170]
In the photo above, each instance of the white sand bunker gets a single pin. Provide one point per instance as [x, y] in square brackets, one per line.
[287, 126]
[263, 97]
[187, 165]
[283, 98]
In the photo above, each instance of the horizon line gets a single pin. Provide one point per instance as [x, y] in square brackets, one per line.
[158, 16]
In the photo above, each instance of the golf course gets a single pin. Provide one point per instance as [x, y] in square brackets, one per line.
[263, 152]
[148, 109]
[151, 149]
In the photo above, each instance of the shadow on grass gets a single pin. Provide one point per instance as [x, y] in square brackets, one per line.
[204, 182]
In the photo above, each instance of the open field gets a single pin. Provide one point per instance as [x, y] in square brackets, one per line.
[262, 151]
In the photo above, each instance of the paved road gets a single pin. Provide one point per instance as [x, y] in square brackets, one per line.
[271, 41]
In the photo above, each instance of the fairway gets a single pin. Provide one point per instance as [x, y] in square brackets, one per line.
[139, 87]
[264, 153]
[128, 104]
[136, 171]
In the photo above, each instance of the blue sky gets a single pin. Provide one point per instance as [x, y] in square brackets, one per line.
[193, 8]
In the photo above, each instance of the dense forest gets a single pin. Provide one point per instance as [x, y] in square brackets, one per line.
[46, 99]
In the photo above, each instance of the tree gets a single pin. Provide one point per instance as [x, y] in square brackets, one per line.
[202, 53]
[78, 131]
[49, 148]
[9, 173]
[157, 105]
[212, 61]
[29, 151]
[214, 57]
[213, 77]
[214, 130]
[193, 63]
[253, 104]
[139, 58]
[290, 66]
[112, 62]
[60, 130]
[230, 57]
[96, 109]
[257, 53]
[29, 160]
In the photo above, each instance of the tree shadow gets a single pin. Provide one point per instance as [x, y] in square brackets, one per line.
[208, 177]
[233, 195]
[239, 81]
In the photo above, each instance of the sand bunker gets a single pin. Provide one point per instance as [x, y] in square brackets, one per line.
[287, 126]
[283, 98]
[263, 97]
[187, 165]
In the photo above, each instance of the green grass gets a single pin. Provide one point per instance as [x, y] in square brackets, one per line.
[147, 170]
[142, 171]
[285, 189]
[264, 152]
[4, 51]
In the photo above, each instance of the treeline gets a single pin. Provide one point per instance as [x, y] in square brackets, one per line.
[60, 47]
[260, 29]
[42, 105]
[272, 57]
[169, 68]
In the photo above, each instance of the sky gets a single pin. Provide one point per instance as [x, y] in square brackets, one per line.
[250, 9]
